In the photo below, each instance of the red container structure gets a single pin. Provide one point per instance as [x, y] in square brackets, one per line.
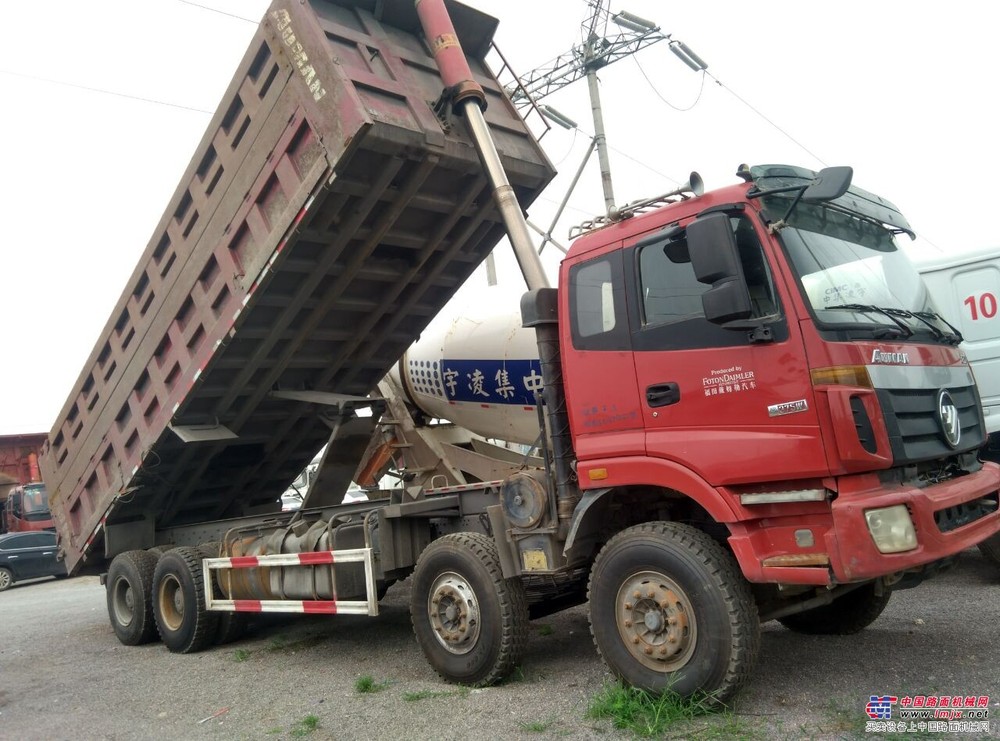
[332, 208]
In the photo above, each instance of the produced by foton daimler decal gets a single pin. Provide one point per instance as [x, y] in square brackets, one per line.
[732, 380]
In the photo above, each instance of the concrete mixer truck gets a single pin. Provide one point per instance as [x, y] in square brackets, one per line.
[742, 408]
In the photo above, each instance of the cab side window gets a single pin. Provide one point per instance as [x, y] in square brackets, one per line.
[670, 292]
[669, 311]
[598, 319]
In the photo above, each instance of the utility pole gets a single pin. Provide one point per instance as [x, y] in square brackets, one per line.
[597, 50]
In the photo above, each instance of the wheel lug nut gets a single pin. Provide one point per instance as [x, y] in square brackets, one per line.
[649, 651]
[651, 594]
[663, 652]
[635, 640]
[672, 639]
[628, 605]
[628, 623]
[672, 620]
[637, 594]
[664, 605]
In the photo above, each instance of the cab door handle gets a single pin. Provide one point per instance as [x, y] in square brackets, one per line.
[663, 394]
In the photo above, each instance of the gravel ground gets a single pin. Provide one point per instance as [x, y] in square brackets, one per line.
[63, 675]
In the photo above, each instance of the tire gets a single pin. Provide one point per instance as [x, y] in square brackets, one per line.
[990, 548]
[130, 597]
[231, 625]
[845, 616]
[185, 626]
[6, 578]
[670, 611]
[470, 622]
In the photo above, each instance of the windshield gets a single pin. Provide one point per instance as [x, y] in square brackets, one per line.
[854, 275]
[36, 503]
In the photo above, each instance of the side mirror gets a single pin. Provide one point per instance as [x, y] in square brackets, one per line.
[716, 261]
[830, 183]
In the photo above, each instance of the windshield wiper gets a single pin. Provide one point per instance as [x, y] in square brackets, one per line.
[952, 338]
[893, 314]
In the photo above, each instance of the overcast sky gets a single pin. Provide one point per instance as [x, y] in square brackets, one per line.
[902, 91]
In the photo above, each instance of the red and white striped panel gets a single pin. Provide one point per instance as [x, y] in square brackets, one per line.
[313, 558]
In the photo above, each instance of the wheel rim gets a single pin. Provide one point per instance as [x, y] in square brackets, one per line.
[123, 600]
[454, 613]
[171, 602]
[4, 579]
[655, 621]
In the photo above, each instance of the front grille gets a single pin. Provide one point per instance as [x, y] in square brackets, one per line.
[952, 518]
[915, 433]
[863, 425]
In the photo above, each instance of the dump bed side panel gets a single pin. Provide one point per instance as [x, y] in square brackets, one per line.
[328, 214]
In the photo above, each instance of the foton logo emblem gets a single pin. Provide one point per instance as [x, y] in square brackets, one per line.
[948, 417]
[894, 358]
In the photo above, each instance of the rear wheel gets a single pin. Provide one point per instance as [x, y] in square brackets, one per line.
[669, 610]
[130, 597]
[846, 615]
[6, 578]
[231, 625]
[470, 622]
[185, 625]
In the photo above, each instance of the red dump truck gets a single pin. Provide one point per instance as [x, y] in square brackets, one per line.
[23, 499]
[741, 415]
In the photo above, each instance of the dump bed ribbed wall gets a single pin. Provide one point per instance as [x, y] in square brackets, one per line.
[327, 215]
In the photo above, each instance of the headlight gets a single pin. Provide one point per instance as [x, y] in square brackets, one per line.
[892, 529]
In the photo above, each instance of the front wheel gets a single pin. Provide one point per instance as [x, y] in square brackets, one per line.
[130, 597]
[670, 611]
[470, 622]
[990, 548]
[845, 616]
[184, 623]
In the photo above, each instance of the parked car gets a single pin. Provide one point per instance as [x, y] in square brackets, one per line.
[28, 555]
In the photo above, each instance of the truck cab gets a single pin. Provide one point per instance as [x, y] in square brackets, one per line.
[771, 361]
[27, 508]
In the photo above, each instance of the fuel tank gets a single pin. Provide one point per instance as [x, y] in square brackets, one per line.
[477, 368]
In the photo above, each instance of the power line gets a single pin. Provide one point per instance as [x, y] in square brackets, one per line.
[791, 138]
[657, 92]
[220, 12]
[104, 92]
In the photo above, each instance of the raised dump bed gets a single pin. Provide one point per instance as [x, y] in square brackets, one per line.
[332, 208]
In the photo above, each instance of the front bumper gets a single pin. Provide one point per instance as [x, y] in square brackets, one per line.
[853, 554]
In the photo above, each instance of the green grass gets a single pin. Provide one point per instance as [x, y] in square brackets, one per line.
[306, 726]
[241, 655]
[276, 644]
[537, 726]
[425, 695]
[649, 715]
[284, 644]
[367, 685]
[545, 629]
[430, 694]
